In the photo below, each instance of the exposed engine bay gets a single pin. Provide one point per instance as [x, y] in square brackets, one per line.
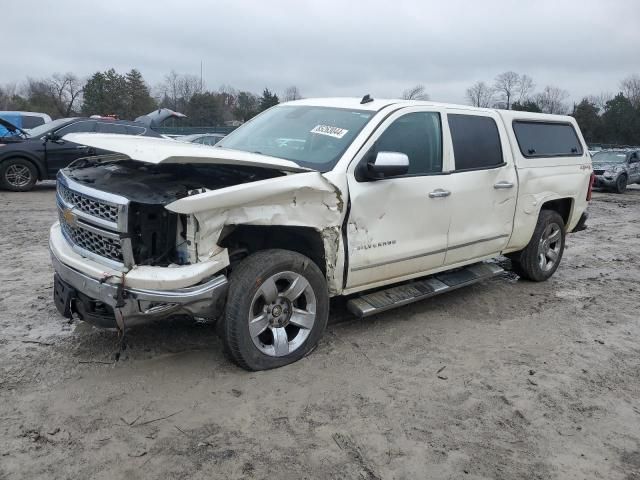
[158, 236]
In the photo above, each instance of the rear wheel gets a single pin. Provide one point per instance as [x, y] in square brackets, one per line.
[621, 184]
[277, 309]
[17, 175]
[541, 257]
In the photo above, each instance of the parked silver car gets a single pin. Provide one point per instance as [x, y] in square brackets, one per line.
[615, 169]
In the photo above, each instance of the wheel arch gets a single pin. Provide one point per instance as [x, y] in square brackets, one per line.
[37, 163]
[564, 206]
[245, 239]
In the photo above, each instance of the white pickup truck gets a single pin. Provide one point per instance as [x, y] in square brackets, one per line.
[384, 201]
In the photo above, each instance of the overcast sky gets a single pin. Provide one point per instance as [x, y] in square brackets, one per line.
[330, 47]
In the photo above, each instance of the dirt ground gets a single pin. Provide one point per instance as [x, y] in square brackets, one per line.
[506, 379]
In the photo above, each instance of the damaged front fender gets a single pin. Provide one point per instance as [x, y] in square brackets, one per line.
[303, 199]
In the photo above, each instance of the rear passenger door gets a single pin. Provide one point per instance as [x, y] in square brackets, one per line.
[484, 186]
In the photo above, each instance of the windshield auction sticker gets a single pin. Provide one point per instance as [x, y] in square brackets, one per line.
[335, 132]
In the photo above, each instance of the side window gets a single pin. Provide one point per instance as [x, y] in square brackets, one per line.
[545, 139]
[476, 142]
[77, 127]
[419, 136]
[30, 121]
[111, 128]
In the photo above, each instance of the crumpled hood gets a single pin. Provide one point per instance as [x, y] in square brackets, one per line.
[161, 150]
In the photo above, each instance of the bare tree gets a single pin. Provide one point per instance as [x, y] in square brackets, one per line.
[600, 100]
[8, 94]
[416, 93]
[228, 100]
[630, 87]
[480, 95]
[551, 100]
[291, 93]
[506, 85]
[66, 90]
[177, 89]
[525, 88]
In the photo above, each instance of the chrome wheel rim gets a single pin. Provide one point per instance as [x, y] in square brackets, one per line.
[282, 314]
[549, 248]
[18, 175]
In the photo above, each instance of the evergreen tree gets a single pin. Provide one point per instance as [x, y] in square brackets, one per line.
[268, 100]
[139, 99]
[526, 106]
[621, 122]
[204, 110]
[586, 114]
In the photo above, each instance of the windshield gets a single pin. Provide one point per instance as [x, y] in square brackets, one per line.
[313, 137]
[610, 157]
[48, 127]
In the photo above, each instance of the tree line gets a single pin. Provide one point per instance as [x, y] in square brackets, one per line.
[128, 96]
[603, 117]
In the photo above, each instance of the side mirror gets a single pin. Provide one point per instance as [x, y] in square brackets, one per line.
[388, 164]
[51, 137]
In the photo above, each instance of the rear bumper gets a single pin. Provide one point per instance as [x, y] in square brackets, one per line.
[98, 302]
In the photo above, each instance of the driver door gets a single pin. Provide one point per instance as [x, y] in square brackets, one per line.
[60, 152]
[398, 226]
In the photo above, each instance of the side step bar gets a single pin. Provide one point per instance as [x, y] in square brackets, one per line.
[400, 295]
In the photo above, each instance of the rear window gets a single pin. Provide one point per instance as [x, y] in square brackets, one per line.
[476, 142]
[545, 139]
[30, 121]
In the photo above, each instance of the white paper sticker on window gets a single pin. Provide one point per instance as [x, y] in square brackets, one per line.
[335, 132]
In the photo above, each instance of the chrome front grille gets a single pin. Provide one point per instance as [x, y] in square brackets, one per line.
[91, 240]
[95, 223]
[90, 206]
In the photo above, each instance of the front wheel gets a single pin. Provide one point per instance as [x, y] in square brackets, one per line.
[541, 257]
[621, 184]
[17, 175]
[277, 309]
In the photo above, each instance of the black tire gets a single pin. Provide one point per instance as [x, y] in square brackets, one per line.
[245, 299]
[18, 175]
[528, 263]
[621, 184]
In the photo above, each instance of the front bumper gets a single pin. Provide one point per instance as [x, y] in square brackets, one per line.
[98, 302]
[601, 182]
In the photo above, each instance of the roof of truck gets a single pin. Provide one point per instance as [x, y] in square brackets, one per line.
[380, 103]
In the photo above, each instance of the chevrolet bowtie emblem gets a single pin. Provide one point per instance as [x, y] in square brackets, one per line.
[69, 216]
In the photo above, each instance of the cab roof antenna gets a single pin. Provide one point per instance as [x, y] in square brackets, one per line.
[366, 99]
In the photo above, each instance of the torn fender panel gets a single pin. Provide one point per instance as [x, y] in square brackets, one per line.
[161, 150]
[250, 193]
[305, 199]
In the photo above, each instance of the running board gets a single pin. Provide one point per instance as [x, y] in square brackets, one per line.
[414, 291]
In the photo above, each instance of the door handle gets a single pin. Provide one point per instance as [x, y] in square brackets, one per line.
[438, 192]
[501, 185]
[82, 147]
